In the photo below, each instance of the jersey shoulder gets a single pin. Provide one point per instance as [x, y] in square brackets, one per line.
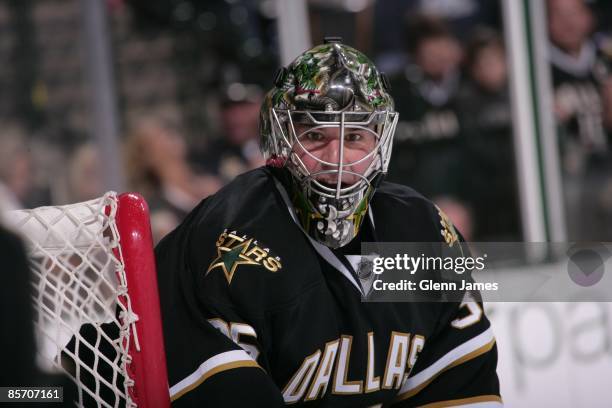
[404, 215]
[401, 192]
[241, 247]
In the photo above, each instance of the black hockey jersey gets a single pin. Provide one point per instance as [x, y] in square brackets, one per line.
[255, 313]
[578, 86]
[427, 144]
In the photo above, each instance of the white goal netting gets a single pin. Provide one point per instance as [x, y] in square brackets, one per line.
[84, 323]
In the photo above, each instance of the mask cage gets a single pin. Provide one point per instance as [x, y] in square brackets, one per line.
[381, 124]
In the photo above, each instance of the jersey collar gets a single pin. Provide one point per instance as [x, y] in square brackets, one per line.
[324, 251]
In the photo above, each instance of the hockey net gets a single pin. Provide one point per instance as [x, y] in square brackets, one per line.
[95, 299]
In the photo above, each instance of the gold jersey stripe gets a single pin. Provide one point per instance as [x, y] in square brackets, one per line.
[210, 373]
[479, 351]
[464, 401]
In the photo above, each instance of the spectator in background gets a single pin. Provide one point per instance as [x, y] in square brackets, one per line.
[484, 110]
[15, 169]
[581, 74]
[85, 174]
[427, 147]
[237, 150]
[460, 15]
[580, 69]
[157, 167]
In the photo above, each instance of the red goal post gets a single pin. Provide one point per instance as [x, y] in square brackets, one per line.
[94, 287]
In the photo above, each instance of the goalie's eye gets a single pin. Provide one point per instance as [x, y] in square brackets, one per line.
[353, 137]
[314, 136]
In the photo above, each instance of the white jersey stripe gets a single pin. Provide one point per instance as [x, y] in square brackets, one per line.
[482, 341]
[215, 364]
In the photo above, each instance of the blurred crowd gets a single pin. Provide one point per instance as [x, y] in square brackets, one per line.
[454, 142]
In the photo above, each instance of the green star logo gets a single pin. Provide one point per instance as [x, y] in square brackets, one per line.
[228, 259]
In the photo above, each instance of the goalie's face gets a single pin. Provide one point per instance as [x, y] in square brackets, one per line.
[331, 153]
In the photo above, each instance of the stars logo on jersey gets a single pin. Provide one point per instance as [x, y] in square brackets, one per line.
[234, 250]
[448, 229]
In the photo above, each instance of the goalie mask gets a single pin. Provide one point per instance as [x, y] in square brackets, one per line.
[329, 121]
